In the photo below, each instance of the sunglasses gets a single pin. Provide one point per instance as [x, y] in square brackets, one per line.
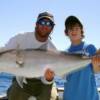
[46, 23]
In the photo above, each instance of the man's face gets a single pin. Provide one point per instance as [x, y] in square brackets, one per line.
[75, 33]
[44, 27]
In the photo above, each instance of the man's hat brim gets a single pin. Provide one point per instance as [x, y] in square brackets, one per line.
[51, 19]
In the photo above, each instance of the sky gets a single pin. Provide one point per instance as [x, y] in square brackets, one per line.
[18, 16]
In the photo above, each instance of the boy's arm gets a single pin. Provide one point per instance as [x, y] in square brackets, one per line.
[96, 62]
[92, 51]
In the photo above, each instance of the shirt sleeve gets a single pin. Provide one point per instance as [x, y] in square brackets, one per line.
[51, 46]
[90, 50]
[45, 81]
[12, 43]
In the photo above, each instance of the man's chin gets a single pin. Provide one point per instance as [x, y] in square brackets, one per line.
[44, 35]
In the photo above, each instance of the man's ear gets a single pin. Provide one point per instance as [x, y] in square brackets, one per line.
[52, 27]
[66, 33]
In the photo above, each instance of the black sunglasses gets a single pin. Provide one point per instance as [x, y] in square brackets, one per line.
[46, 23]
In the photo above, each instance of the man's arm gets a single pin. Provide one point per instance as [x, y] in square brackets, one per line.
[48, 76]
[10, 45]
[13, 42]
[49, 73]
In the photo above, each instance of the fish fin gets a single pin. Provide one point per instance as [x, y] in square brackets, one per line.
[19, 57]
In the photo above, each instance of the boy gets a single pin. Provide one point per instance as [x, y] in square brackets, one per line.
[80, 85]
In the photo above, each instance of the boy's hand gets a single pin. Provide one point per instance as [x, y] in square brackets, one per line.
[96, 62]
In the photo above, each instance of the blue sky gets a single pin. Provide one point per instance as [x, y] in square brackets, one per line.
[20, 16]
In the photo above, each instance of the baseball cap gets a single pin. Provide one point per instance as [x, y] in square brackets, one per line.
[45, 15]
[71, 21]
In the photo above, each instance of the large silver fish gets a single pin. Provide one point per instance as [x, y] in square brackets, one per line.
[33, 63]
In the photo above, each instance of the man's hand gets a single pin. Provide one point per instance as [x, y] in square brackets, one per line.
[96, 62]
[49, 74]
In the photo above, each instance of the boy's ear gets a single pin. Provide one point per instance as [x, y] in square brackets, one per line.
[66, 33]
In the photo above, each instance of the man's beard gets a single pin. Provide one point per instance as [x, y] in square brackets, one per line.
[39, 33]
[43, 35]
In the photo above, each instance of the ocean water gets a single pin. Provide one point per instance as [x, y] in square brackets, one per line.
[97, 78]
[5, 82]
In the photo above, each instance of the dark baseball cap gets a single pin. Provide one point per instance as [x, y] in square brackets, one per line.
[71, 21]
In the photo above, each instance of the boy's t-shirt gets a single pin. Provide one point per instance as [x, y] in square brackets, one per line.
[81, 85]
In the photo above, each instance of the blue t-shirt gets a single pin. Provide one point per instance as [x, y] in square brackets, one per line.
[5, 82]
[81, 85]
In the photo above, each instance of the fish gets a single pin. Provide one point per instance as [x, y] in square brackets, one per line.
[33, 62]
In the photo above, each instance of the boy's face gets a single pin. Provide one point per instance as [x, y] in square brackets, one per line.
[75, 33]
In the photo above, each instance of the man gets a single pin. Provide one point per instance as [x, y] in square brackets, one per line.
[36, 88]
[80, 85]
